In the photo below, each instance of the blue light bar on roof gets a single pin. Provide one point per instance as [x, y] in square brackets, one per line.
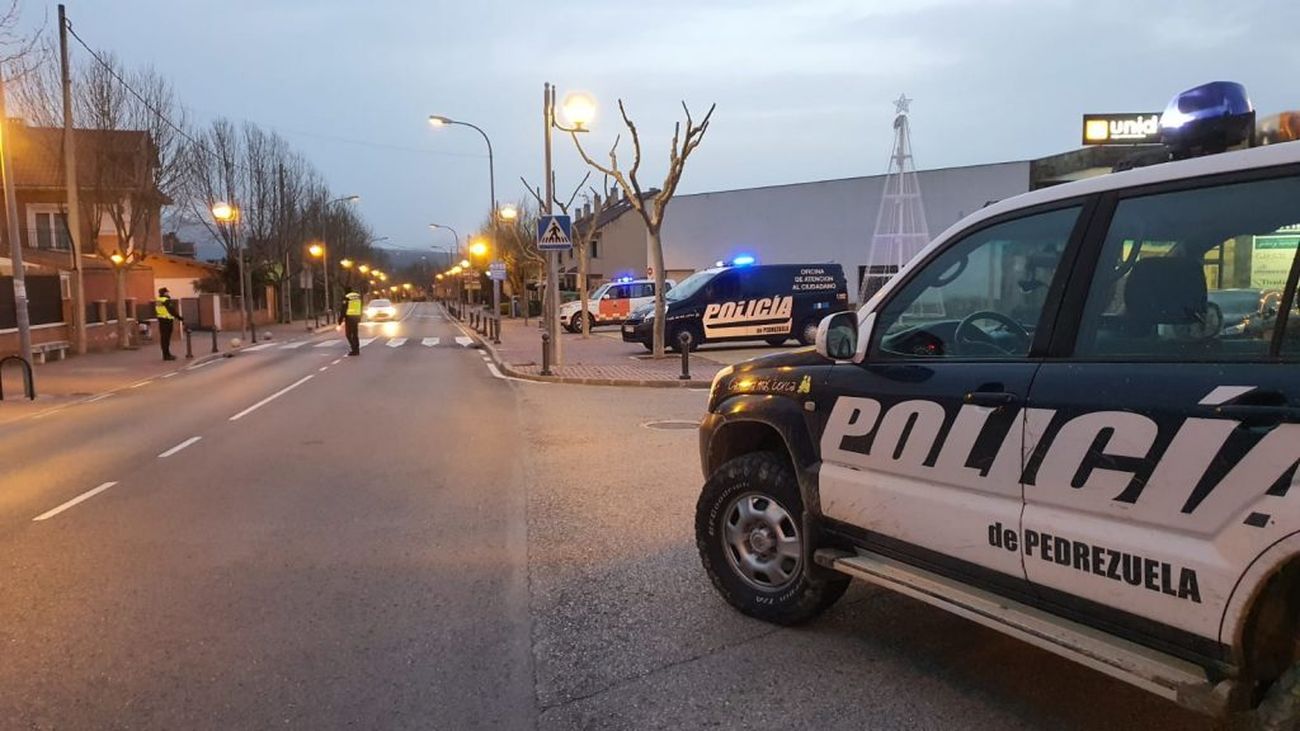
[743, 260]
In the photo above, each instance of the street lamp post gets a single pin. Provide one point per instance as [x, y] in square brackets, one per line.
[456, 237]
[229, 215]
[439, 121]
[319, 251]
[579, 108]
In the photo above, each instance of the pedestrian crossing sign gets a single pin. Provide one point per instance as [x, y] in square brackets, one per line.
[554, 233]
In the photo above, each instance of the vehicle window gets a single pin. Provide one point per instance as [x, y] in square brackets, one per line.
[643, 289]
[618, 292]
[691, 285]
[1194, 274]
[598, 292]
[725, 286]
[984, 296]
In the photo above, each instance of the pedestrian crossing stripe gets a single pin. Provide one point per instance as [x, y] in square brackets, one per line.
[463, 341]
[255, 348]
[396, 342]
[366, 341]
[430, 342]
[329, 344]
[291, 346]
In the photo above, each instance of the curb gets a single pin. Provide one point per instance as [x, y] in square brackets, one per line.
[505, 368]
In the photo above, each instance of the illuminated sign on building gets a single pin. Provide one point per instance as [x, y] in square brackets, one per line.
[1142, 128]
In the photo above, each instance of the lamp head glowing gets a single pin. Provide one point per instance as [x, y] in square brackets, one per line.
[438, 120]
[579, 109]
[224, 212]
[316, 250]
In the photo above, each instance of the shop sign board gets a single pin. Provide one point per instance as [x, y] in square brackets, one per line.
[1138, 128]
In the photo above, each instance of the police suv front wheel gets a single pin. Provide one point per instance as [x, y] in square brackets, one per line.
[749, 532]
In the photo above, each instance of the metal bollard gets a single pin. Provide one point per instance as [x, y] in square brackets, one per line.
[214, 340]
[496, 331]
[29, 383]
[682, 339]
[546, 354]
[189, 343]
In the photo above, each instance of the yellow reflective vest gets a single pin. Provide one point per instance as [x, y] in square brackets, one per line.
[354, 306]
[160, 308]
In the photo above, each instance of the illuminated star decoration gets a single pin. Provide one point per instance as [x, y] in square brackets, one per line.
[900, 104]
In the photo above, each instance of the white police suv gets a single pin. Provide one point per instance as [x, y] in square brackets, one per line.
[1043, 425]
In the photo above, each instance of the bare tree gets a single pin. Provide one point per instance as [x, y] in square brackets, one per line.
[652, 205]
[133, 160]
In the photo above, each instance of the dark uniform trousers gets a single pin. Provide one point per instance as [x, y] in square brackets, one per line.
[165, 326]
[351, 326]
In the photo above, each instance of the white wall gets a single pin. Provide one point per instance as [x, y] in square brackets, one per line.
[825, 221]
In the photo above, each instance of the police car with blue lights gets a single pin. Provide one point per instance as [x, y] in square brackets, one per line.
[1045, 425]
[744, 300]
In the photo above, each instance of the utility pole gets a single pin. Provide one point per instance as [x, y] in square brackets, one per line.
[550, 310]
[15, 245]
[70, 180]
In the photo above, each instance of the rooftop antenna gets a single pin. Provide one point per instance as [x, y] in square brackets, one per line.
[901, 231]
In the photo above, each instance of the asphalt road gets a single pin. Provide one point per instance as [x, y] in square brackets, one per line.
[406, 540]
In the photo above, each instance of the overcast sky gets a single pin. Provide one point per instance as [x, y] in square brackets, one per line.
[803, 87]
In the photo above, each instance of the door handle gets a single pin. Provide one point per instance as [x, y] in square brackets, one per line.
[991, 398]
[1257, 412]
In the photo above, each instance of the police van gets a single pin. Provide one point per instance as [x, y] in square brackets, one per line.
[745, 301]
[1043, 425]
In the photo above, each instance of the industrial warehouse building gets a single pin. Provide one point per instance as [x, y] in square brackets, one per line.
[820, 221]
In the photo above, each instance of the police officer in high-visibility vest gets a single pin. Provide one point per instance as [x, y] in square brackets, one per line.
[165, 309]
[350, 319]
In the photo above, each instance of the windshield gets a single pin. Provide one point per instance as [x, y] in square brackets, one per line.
[598, 292]
[691, 285]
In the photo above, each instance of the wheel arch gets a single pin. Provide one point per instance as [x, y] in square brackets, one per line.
[763, 423]
[1261, 619]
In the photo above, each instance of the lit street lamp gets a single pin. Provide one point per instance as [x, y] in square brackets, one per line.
[319, 251]
[228, 214]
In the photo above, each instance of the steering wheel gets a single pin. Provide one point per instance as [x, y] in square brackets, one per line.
[968, 334]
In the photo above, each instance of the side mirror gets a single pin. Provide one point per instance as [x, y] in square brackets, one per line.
[837, 336]
[605, 297]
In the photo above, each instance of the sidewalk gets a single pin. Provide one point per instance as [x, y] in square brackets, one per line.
[79, 377]
[603, 359]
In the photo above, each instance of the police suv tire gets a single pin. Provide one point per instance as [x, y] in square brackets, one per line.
[1280, 709]
[776, 342]
[674, 337]
[808, 332]
[769, 476]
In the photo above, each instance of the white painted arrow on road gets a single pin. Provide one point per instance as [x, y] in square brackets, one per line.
[463, 341]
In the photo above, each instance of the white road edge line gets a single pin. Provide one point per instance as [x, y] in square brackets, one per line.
[322, 369]
[100, 397]
[169, 375]
[142, 383]
[271, 398]
[336, 361]
[179, 447]
[83, 496]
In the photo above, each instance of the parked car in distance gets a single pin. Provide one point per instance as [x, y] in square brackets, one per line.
[611, 302]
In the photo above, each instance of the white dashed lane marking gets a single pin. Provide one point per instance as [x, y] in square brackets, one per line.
[179, 447]
[82, 497]
[271, 398]
[329, 343]
[396, 342]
